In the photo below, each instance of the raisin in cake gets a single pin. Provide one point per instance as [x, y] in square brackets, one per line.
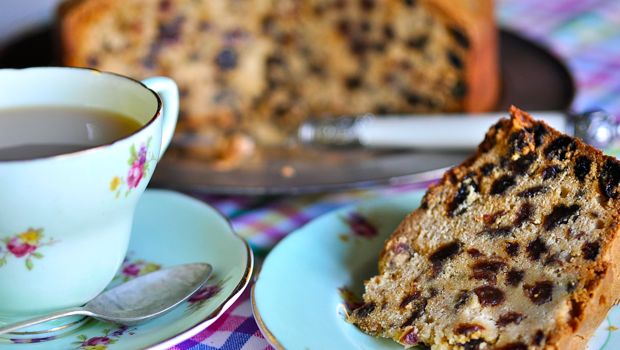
[253, 69]
[515, 249]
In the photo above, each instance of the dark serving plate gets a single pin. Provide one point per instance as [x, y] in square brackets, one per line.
[532, 78]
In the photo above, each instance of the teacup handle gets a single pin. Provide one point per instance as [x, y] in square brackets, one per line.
[168, 91]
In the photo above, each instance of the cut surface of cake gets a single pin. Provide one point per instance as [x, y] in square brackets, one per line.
[514, 249]
[251, 70]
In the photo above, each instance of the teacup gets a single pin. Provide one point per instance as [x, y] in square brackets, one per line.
[65, 220]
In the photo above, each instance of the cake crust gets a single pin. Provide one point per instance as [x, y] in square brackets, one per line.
[482, 59]
[533, 235]
[252, 70]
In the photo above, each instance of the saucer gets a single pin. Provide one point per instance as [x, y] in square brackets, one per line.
[169, 229]
[300, 296]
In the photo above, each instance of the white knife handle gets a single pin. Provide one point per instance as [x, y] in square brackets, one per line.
[442, 132]
[436, 132]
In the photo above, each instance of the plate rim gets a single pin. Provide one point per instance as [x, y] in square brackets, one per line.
[262, 326]
[234, 295]
[269, 336]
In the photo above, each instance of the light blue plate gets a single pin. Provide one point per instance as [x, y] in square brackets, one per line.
[169, 229]
[300, 295]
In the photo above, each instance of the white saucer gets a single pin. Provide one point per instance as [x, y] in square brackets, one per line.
[169, 229]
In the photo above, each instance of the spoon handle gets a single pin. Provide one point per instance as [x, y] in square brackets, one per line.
[52, 316]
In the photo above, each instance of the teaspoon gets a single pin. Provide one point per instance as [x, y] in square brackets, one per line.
[135, 301]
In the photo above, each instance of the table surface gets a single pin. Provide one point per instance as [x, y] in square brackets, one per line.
[585, 33]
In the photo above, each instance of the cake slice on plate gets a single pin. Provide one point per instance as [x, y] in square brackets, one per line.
[514, 249]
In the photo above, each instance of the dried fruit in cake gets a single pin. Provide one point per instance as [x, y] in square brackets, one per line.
[516, 248]
[253, 69]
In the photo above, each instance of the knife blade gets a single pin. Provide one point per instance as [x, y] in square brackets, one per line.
[443, 131]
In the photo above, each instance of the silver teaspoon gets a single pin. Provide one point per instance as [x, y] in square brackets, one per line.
[135, 301]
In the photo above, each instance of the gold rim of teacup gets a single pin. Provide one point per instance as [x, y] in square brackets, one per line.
[92, 70]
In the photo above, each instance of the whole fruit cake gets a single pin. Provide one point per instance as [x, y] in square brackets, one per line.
[250, 70]
[515, 249]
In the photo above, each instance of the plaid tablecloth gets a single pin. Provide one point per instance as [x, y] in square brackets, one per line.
[585, 33]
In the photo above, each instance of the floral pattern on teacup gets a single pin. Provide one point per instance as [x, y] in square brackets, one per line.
[101, 342]
[139, 164]
[360, 225]
[24, 245]
[134, 268]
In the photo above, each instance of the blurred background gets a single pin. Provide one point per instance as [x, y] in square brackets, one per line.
[584, 34]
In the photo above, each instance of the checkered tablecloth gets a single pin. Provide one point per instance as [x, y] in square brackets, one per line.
[585, 33]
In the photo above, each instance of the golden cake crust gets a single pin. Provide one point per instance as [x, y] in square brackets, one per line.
[478, 20]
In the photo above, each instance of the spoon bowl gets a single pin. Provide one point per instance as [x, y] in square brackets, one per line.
[137, 300]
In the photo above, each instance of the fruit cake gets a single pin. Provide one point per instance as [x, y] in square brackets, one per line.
[514, 249]
[251, 70]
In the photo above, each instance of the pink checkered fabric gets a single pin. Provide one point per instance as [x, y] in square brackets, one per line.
[585, 33]
[236, 329]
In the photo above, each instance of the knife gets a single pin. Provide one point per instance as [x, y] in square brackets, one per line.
[444, 131]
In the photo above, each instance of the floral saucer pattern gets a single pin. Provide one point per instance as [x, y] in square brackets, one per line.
[324, 263]
[133, 268]
[101, 342]
[169, 229]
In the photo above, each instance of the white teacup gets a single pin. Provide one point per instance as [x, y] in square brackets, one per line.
[65, 220]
